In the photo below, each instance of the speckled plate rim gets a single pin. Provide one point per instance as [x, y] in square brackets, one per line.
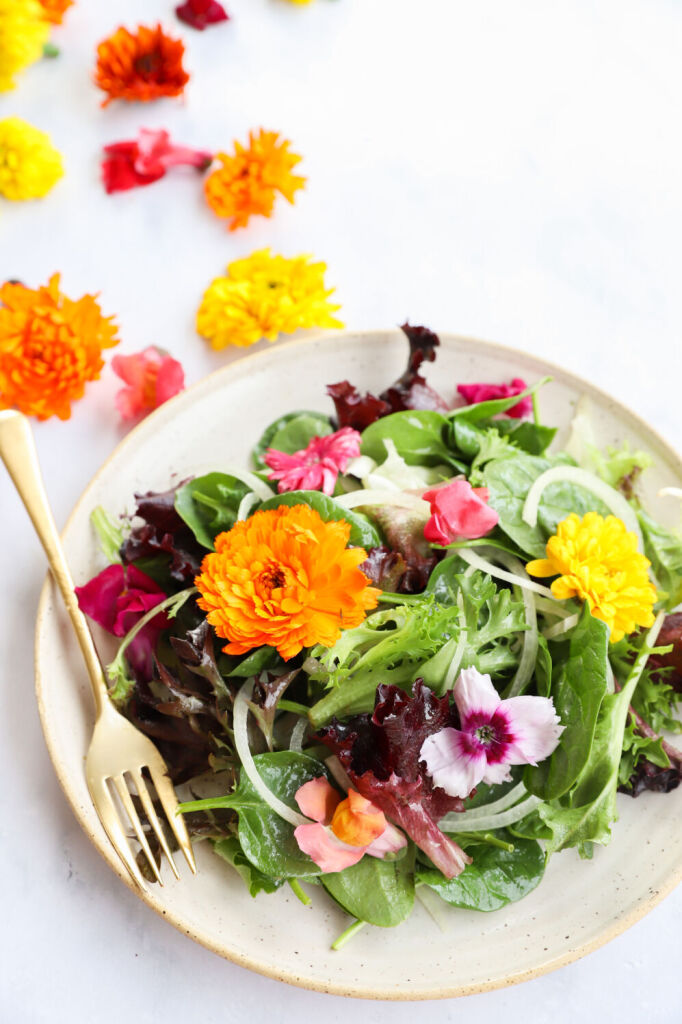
[609, 932]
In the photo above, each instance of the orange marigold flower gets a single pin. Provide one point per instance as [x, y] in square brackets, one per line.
[50, 347]
[55, 9]
[284, 578]
[247, 182]
[140, 66]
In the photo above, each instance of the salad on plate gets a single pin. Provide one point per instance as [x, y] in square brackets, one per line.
[412, 652]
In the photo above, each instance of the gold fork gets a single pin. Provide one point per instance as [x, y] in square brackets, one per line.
[117, 748]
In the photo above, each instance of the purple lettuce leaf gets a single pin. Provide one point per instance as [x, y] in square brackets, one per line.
[163, 532]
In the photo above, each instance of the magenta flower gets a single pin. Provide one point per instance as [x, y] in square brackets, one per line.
[363, 825]
[151, 376]
[201, 13]
[494, 734]
[474, 393]
[144, 160]
[116, 599]
[316, 467]
[458, 512]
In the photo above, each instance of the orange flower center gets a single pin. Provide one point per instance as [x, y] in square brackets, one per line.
[356, 821]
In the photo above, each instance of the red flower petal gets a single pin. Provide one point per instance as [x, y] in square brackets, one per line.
[201, 13]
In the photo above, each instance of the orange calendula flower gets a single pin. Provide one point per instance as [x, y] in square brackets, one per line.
[143, 65]
[284, 578]
[55, 9]
[50, 347]
[248, 181]
[596, 560]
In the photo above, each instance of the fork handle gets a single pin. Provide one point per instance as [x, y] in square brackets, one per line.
[18, 452]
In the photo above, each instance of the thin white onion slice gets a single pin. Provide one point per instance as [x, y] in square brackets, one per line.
[670, 492]
[297, 734]
[614, 501]
[246, 504]
[529, 654]
[463, 823]
[503, 803]
[241, 742]
[469, 556]
[552, 607]
[257, 485]
[379, 497]
[338, 773]
[561, 627]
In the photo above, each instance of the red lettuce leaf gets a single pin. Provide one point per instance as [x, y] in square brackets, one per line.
[384, 567]
[404, 531]
[380, 753]
[671, 633]
[163, 532]
[356, 410]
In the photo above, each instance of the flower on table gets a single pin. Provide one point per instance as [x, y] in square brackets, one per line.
[145, 159]
[50, 347]
[116, 599]
[474, 393]
[151, 377]
[317, 466]
[458, 512]
[264, 296]
[342, 831]
[493, 735]
[54, 10]
[24, 31]
[597, 560]
[141, 65]
[30, 166]
[200, 14]
[248, 181]
[284, 578]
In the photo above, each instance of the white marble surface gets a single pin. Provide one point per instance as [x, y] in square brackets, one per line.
[508, 170]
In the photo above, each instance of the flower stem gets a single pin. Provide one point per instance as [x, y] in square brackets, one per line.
[346, 936]
[292, 705]
[299, 893]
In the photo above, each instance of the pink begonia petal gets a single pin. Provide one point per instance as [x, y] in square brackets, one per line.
[328, 852]
[317, 466]
[459, 512]
[318, 799]
[452, 762]
[156, 153]
[474, 692]
[170, 380]
[536, 729]
[390, 841]
[152, 377]
[474, 393]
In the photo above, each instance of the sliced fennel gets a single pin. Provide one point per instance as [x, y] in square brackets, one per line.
[463, 823]
[384, 497]
[469, 556]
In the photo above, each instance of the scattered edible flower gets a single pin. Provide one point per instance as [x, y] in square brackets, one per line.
[201, 13]
[474, 393]
[54, 10]
[264, 296]
[116, 599]
[144, 160]
[458, 512]
[143, 65]
[152, 377]
[50, 347]
[29, 164]
[246, 184]
[316, 467]
[24, 31]
[596, 559]
[284, 578]
[493, 735]
[342, 831]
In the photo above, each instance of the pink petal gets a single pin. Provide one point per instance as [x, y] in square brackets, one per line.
[535, 726]
[97, 598]
[496, 773]
[474, 693]
[390, 841]
[156, 153]
[170, 380]
[328, 852]
[459, 512]
[474, 393]
[452, 762]
[318, 799]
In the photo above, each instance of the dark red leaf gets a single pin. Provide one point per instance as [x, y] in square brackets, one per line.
[404, 531]
[356, 410]
[163, 532]
[384, 567]
[671, 633]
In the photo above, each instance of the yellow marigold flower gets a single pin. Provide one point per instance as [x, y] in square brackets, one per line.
[264, 296]
[24, 31]
[50, 347]
[29, 163]
[247, 182]
[597, 560]
[284, 578]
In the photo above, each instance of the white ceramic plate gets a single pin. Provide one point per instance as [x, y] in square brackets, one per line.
[578, 906]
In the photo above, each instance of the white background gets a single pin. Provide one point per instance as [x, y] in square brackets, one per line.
[504, 169]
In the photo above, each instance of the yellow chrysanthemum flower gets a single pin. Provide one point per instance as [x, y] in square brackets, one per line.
[24, 30]
[29, 164]
[597, 560]
[264, 296]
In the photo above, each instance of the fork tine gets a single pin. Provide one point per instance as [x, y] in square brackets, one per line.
[166, 794]
[124, 796]
[144, 796]
[111, 823]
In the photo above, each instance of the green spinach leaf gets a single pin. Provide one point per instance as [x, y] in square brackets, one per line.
[209, 505]
[255, 881]
[380, 892]
[363, 532]
[663, 548]
[419, 437]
